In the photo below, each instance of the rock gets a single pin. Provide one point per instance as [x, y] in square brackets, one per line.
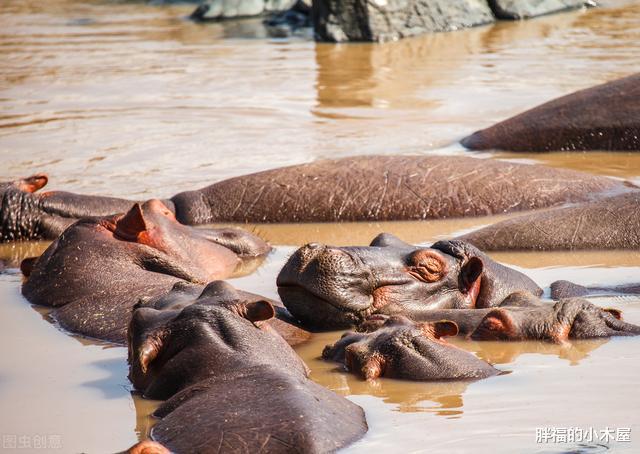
[229, 9]
[524, 9]
[386, 20]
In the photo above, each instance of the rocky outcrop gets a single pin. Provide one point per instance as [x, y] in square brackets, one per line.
[524, 9]
[387, 20]
[230, 9]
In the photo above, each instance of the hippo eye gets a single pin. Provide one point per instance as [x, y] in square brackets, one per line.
[427, 266]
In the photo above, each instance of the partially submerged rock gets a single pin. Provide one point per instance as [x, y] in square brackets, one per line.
[524, 9]
[231, 9]
[386, 20]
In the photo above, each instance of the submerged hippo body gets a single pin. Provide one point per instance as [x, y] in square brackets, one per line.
[566, 289]
[605, 117]
[611, 223]
[349, 189]
[99, 268]
[338, 287]
[232, 384]
[404, 349]
[387, 188]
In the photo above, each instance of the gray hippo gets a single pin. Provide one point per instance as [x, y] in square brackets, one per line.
[610, 223]
[566, 289]
[364, 188]
[232, 383]
[95, 272]
[522, 316]
[338, 287]
[404, 349]
[604, 117]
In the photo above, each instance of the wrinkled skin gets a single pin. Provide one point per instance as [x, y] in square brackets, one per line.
[97, 269]
[336, 287]
[348, 189]
[184, 294]
[233, 383]
[604, 117]
[566, 289]
[387, 188]
[408, 350]
[524, 317]
[611, 223]
[566, 319]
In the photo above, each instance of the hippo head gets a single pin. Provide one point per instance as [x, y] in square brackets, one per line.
[401, 348]
[172, 248]
[172, 349]
[336, 287]
[573, 318]
[19, 207]
[28, 184]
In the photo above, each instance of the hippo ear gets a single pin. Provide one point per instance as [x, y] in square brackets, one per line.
[497, 324]
[389, 240]
[149, 350]
[617, 313]
[33, 183]
[470, 273]
[26, 266]
[358, 360]
[131, 224]
[256, 311]
[445, 328]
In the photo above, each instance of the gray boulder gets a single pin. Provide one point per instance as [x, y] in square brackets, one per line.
[387, 20]
[230, 9]
[524, 9]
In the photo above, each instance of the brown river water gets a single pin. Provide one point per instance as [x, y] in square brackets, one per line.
[130, 99]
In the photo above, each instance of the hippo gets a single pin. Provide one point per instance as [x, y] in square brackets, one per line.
[572, 318]
[522, 316]
[402, 348]
[185, 293]
[604, 117]
[95, 272]
[338, 287]
[610, 223]
[232, 383]
[566, 289]
[363, 188]
[28, 215]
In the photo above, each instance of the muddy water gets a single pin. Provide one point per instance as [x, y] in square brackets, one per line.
[133, 100]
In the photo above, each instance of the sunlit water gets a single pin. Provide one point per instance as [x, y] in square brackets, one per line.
[133, 100]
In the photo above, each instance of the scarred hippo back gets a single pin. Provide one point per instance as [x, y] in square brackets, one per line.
[605, 117]
[387, 188]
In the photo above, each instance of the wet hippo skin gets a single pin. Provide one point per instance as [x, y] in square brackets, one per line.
[604, 117]
[521, 316]
[348, 189]
[184, 294]
[329, 287]
[233, 384]
[566, 289]
[404, 349]
[387, 188]
[99, 268]
[611, 223]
